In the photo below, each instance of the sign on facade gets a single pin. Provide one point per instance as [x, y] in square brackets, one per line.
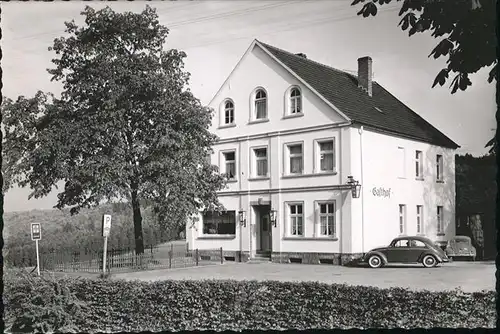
[106, 225]
[381, 192]
[36, 231]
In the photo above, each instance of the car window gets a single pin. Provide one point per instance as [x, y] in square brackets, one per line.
[418, 243]
[401, 243]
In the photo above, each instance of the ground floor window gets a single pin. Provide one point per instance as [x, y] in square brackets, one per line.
[296, 219]
[219, 222]
[402, 218]
[327, 219]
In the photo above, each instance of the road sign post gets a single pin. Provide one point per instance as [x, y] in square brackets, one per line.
[36, 234]
[106, 227]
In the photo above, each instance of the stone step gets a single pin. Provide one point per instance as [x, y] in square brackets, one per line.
[259, 259]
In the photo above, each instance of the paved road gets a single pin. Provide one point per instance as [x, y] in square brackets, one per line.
[468, 276]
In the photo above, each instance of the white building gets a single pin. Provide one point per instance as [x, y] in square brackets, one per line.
[291, 132]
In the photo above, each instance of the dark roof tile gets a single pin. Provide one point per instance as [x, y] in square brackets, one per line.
[341, 89]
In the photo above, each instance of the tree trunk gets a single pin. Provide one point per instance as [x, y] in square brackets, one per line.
[136, 209]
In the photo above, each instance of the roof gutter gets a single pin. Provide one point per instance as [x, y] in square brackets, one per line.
[353, 122]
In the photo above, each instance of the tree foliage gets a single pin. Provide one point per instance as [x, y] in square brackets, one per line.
[126, 125]
[466, 33]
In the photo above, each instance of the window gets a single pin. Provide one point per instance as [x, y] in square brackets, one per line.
[439, 227]
[296, 219]
[296, 158]
[327, 219]
[401, 243]
[326, 156]
[401, 162]
[418, 244]
[230, 165]
[402, 218]
[260, 104]
[418, 165]
[228, 112]
[295, 101]
[439, 167]
[219, 222]
[420, 221]
[260, 161]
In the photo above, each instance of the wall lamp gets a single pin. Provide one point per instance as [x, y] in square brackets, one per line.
[273, 217]
[242, 215]
[355, 186]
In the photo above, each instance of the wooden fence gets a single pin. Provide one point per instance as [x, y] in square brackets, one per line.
[154, 257]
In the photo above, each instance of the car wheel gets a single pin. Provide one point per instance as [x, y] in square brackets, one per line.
[375, 261]
[429, 261]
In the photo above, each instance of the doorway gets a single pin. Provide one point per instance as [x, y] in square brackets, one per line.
[264, 228]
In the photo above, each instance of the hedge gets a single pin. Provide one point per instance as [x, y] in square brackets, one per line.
[86, 305]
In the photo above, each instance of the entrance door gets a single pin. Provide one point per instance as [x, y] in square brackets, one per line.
[265, 232]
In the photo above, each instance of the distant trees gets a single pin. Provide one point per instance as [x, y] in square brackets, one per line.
[126, 126]
[476, 191]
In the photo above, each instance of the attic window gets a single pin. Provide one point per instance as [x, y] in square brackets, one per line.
[379, 110]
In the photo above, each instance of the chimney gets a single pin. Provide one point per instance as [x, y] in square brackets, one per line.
[365, 74]
[303, 55]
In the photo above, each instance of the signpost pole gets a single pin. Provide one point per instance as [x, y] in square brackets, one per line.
[104, 255]
[37, 258]
[106, 226]
[36, 234]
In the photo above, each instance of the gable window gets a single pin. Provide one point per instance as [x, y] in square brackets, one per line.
[260, 155]
[439, 167]
[296, 219]
[402, 218]
[419, 165]
[439, 227]
[327, 219]
[228, 112]
[295, 155]
[326, 151]
[420, 221]
[219, 222]
[401, 162]
[295, 101]
[230, 165]
[260, 104]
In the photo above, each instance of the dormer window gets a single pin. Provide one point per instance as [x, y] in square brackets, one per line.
[260, 104]
[295, 101]
[228, 112]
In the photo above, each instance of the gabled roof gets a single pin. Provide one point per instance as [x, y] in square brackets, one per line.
[382, 111]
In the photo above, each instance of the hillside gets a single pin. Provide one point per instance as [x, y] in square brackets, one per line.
[63, 232]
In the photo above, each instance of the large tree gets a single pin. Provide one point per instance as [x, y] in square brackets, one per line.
[126, 125]
[466, 33]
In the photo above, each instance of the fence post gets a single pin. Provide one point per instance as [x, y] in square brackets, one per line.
[196, 256]
[221, 257]
[170, 257]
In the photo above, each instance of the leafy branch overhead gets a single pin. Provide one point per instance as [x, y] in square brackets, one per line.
[466, 29]
[125, 127]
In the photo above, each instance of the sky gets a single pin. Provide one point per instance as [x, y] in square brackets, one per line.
[215, 35]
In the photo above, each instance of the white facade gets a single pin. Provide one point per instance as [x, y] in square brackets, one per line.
[353, 225]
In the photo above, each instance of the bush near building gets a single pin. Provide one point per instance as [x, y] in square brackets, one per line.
[86, 305]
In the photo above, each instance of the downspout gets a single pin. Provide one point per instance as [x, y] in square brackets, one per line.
[360, 131]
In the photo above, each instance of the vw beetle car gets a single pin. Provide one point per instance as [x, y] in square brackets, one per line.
[460, 246]
[408, 249]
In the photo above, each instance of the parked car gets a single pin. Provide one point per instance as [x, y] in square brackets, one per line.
[408, 249]
[460, 245]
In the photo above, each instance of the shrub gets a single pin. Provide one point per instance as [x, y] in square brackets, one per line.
[36, 304]
[117, 305]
